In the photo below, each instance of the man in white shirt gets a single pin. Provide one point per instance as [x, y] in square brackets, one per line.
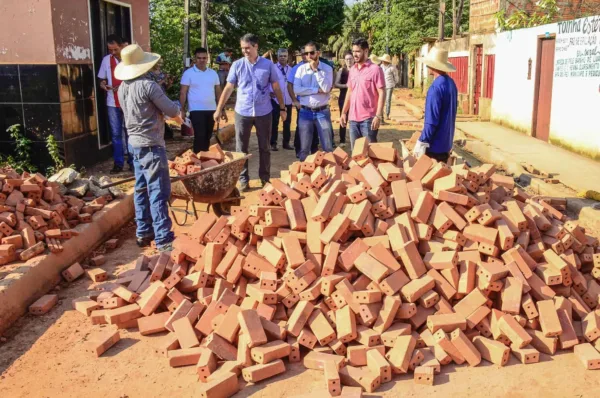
[391, 79]
[110, 84]
[284, 69]
[312, 84]
[201, 88]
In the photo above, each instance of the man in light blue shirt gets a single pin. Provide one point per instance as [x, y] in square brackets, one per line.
[313, 82]
[252, 75]
[283, 68]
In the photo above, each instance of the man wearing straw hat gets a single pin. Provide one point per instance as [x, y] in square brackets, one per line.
[391, 79]
[440, 108]
[144, 103]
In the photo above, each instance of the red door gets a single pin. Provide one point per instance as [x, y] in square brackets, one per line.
[477, 90]
[545, 68]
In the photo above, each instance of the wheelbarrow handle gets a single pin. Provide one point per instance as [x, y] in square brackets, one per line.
[114, 184]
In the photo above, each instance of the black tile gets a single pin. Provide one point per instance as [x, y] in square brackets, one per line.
[9, 81]
[87, 73]
[64, 87]
[83, 150]
[41, 120]
[9, 114]
[89, 111]
[39, 83]
[67, 110]
[76, 82]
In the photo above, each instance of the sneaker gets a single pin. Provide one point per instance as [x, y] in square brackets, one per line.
[274, 147]
[166, 248]
[288, 147]
[116, 169]
[144, 242]
[244, 187]
[342, 145]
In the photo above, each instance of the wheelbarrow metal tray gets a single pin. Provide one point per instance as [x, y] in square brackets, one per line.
[211, 185]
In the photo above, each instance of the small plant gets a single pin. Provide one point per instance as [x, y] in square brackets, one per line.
[52, 146]
[544, 13]
[20, 159]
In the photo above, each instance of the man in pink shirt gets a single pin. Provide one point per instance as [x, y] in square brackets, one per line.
[366, 95]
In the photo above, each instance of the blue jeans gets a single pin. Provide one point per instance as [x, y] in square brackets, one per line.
[362, 129]
[118, 134]
[307, 122]
[152, 192]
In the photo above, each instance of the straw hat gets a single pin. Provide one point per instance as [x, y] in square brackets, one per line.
[375, 59]
[438, 59]
[386, 58]
[134, 62]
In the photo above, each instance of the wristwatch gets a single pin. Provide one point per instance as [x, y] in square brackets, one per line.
[283, 110]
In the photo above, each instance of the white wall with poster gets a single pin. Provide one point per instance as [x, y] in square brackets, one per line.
[574, 121]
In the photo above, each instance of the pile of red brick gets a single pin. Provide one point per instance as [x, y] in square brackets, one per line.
[33, 215]
[190, 162]
[376, 265]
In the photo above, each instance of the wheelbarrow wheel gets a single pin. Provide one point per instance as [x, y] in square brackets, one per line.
[224, 208]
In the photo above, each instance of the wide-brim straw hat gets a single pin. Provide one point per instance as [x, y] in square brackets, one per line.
[135, 62]
[386, 58]
[375, 59]
[438, 59]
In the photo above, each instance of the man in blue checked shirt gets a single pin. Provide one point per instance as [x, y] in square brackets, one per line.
[312, 84]
[253, 75]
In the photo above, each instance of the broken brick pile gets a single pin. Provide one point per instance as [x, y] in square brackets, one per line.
[190, 162]
[372, 264]
[35, 215]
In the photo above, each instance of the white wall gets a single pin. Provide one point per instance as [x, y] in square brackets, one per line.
[576, 87]
[513, 100]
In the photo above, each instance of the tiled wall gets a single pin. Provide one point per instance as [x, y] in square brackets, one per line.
[51, 99]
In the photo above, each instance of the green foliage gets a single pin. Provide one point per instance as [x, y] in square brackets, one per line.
[52, 146]
[350, 30]
[312, 20]
[545, 12]
[20, 159]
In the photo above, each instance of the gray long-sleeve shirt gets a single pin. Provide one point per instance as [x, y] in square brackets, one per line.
[144, 102]
[391, 75]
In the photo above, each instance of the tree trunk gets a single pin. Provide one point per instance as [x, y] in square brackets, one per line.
[454, 19]
[459, 13]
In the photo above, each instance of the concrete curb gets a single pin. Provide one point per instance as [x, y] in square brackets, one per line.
[588, 216]
[37, 276]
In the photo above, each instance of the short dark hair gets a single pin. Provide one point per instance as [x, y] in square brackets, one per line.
[200, 50]
[250, 38]
[114, 39]
[362, 43]
[228, 50]
[312, 44]
[347, 53]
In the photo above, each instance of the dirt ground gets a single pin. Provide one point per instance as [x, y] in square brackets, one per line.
[44, 356]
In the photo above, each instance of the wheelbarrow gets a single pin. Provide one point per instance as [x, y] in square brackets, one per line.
[214, 186]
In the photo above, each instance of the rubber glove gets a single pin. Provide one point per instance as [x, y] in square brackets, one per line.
[420, 148]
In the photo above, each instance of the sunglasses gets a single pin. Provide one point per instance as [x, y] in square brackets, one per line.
[309, 53]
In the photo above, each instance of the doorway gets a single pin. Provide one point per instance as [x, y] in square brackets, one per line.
[543, 88]
[106, 17]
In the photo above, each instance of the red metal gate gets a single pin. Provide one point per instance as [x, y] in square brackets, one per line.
[478, 78]
[461, 76]
[490, 61]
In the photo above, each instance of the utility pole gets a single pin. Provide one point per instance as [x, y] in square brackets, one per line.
[441, 21]
[453, 19]
[186, 32]
[387, 26]
[204, 23]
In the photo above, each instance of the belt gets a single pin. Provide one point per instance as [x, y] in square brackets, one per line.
[318, 109]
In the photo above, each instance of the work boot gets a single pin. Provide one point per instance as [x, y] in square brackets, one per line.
[274, 147]
[116, 169]
[288, 147]
[145, 241]
[264, 182]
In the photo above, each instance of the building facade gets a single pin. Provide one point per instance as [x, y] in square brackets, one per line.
[50, 53]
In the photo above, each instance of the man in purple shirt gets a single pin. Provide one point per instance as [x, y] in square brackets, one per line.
[252, 75]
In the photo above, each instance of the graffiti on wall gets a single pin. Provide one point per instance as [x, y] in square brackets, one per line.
[577, 53]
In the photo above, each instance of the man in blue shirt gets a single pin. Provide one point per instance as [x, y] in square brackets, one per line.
[312, 84]
[252, 75]
[440, 109]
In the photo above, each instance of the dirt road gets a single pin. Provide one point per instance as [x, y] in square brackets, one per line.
[44, 356]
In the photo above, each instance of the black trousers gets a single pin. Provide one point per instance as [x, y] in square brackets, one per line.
[341, 101]
[315, 140]
[286, 125]
[440, 157]
[203, 124]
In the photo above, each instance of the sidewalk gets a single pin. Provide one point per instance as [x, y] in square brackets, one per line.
[512, 148]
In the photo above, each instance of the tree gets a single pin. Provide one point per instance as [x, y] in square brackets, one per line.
[312, 20]
[545, 12]
[350, 31]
